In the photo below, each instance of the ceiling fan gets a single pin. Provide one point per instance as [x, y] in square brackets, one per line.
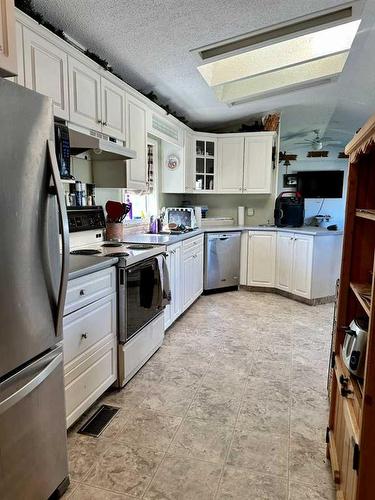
[318, 142]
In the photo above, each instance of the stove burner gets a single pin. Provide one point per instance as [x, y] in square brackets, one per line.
[112, 244]
[117, 254]
[139, 246]
[85, 251]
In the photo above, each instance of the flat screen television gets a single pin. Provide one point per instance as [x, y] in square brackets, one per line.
[320, 183]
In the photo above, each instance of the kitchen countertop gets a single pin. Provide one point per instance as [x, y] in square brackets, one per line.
[170, 239]
[80, 265]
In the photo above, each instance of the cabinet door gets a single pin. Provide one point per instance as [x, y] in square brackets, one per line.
[284, 261]
[46, 71]
[261, 258]
[198, 272]
[230, 164]
[258, 164]
[8, 46]
[174, 263]
[168, 308]
[188, 279]
[113, 109]
[136, 114]
[176, 281]
[205, 164]
[189, 164]
[84, 95]
[302, 265]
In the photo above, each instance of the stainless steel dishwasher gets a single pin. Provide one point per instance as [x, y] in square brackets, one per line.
[222, 260]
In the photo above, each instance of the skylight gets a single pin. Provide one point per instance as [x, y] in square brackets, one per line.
[310, 57]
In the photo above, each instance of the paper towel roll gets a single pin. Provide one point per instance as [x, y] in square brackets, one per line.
[241, 216]
[198, 216]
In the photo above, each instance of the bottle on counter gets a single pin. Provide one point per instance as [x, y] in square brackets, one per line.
[130, 213]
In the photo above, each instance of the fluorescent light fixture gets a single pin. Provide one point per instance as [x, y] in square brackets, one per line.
[303, 75]
[279, 55]
[302, 60]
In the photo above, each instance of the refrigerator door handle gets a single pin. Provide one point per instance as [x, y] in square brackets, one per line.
[57, 190]
[31, 385]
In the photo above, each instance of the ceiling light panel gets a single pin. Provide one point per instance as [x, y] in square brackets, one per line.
[284, 54]
[284, 79]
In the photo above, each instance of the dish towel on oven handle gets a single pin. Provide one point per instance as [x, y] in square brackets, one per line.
[165, 289]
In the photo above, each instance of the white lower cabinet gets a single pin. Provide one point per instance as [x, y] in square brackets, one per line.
[90, 345]
[302, 265]
[192, 265]
[261, 258]
[174, 263]
[294, 263]
[284, 261]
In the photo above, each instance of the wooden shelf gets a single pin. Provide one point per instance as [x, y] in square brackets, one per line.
[364, 213]
[358, 290]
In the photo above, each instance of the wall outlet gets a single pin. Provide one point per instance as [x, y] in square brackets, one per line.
[250, 212]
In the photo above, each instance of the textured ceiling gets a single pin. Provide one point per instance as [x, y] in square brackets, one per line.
[149, 43]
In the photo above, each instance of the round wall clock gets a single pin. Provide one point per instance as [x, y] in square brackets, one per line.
[173, 162]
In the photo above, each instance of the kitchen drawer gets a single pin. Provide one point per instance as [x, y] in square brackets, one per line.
[89, 379]
[87, 326]
[87, 289]
[192, 243]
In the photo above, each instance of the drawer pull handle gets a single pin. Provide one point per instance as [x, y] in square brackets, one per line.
[82, 292]
[84, 336]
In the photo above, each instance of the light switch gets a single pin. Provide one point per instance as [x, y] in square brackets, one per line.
[250, 212]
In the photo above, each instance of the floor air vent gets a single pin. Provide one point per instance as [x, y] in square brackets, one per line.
[99, 421]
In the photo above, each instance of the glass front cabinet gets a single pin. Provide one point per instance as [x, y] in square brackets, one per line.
[205, 151]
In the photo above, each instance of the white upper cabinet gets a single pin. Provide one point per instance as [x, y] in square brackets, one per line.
[46, 70]
[261, 258]
[205, 157]
[188, 163]
[136, 138]
[113, 109]
[84, 95]
[8, 47]
[258, 163]
[230, 164]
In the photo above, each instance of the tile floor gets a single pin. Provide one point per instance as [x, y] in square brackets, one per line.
[233, 406]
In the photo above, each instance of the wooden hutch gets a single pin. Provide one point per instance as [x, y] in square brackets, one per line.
[351, 428]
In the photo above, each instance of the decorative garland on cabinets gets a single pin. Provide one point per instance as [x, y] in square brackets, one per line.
[28, 8]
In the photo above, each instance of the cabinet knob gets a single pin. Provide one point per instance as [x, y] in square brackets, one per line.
[84, 336]
[82, 292]
[104, 123]
[99, 121]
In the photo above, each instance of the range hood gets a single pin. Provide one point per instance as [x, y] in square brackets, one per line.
[99, 147]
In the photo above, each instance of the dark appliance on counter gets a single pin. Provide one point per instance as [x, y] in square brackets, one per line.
[320, 184]
[33, 281]
[289, 209]
[62, 145]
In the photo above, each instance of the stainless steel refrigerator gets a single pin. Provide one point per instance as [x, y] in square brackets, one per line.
[33, 278]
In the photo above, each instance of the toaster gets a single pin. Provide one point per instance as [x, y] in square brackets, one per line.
[354, 349]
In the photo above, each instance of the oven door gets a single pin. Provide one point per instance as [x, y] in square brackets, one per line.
[143, 295]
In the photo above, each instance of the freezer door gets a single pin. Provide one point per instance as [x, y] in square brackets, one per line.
[222, 260]
[31, 288]
[33, 449]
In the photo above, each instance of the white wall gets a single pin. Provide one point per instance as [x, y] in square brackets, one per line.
[331, 206]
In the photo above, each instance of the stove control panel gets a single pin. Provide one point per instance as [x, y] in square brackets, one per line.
[85, 218]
